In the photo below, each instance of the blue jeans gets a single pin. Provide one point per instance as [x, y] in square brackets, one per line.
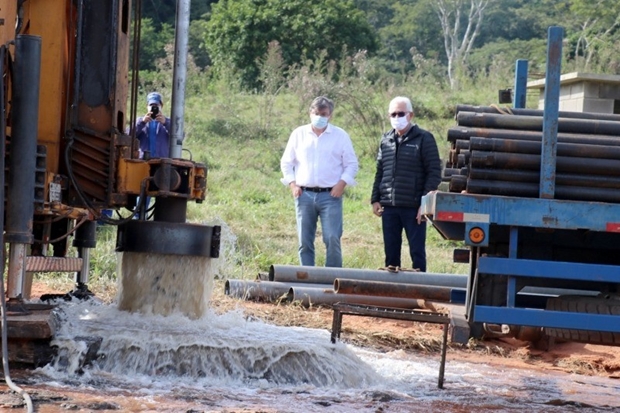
[310, 206]
[394, 220]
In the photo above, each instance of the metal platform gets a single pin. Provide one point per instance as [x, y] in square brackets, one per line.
[422, 316]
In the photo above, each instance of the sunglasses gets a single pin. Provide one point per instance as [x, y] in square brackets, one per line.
[397, 114]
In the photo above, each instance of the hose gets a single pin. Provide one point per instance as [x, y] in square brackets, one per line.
[5, 354]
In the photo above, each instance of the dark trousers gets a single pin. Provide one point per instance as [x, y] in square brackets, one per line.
[394, 220]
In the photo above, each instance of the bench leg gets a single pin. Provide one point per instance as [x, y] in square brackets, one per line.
[442, 364]
[336, 324]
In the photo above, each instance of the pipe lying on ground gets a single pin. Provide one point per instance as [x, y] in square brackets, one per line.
[260, 290]
[394, 290]
[327, 275]
[308, 296]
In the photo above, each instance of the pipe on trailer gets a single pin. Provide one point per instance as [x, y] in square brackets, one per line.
[521, 111]
[327, 275]
[310, 296]
[580, 165]
[562, 179]
[465, 133]
[535, 123]
[533, 147]
[394, 290]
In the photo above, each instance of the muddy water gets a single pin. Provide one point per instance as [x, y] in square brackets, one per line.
[227, 363]
[164, 284]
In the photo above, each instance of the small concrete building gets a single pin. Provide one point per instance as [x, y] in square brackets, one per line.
[584, 92]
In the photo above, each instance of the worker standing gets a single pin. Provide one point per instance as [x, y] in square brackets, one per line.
[317, 164]
[153, 129]
[408, 167]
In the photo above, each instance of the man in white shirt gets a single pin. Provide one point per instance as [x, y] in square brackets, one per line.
[317, 164]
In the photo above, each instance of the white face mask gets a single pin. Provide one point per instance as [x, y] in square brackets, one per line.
[399, 123]
[318, 121]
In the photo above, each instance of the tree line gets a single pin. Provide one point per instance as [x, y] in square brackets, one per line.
[450, 37]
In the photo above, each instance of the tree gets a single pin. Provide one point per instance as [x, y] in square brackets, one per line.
[239, 32]
[596, 21]
[459, 31]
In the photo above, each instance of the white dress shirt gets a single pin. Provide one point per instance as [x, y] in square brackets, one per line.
[319, 161]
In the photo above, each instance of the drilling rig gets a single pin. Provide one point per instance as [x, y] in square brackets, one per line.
[69, 152]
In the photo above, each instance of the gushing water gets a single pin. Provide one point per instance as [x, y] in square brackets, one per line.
[164, 284]
[212, 348]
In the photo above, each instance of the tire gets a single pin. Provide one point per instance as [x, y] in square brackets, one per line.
[585, 304]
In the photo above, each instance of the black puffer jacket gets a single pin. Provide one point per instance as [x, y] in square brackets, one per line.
[407, 171]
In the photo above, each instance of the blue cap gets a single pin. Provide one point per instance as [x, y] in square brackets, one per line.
[154, 97]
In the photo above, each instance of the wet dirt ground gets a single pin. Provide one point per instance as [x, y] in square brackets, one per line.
[499, 375]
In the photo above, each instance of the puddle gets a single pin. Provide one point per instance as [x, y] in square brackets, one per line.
[227, 363]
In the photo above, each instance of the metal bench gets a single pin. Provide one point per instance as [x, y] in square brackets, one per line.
[341, 309]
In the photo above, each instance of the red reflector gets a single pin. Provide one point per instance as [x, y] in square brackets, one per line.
[613, 227]
[449, 216]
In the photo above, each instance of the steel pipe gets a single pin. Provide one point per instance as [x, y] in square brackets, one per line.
[310, 296]
[535, 112]
[392, 289]
[476, 186]
[586, 166]
[532, 147]
[535, 123]
[465, 133]
[327, 275]
[262, 290]
[515, 175]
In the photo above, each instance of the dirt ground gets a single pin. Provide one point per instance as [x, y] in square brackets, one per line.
[385, 335]
[378, 334]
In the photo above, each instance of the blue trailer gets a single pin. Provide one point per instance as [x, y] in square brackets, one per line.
[550, 261]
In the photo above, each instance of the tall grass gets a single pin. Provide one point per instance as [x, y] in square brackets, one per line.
[241, 135]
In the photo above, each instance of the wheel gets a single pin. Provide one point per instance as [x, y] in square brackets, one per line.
[584, 304]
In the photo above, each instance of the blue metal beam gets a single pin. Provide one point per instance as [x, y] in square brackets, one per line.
[546, 318]
[525, 212]
[549, 269]
[550, 115]
[520, 84]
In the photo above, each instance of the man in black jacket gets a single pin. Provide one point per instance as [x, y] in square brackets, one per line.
[408, 167]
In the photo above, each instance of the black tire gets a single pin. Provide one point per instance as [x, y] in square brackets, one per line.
[584, 304]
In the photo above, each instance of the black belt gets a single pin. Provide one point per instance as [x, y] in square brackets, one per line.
[305, 188]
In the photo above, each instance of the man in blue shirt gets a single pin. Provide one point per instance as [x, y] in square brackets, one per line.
[152, 130]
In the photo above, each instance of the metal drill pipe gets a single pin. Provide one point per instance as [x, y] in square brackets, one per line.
[530, 190]
[535, 123]
[535, 112]
[563, 149]
[465, 133]
[515, 175]
[392, 289]
[586, 166]
[262, 290]
[327, 275]
[308, 296]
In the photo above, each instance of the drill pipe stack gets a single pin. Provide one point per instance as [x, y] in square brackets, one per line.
[497, 151]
